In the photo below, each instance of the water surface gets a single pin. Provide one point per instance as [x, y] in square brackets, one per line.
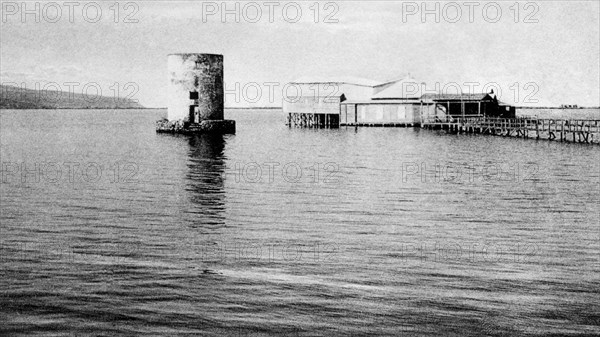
[117, 230]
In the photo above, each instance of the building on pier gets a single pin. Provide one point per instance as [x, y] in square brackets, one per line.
[315, 111]
[383, 112]
[461, 105]
[395, 103]
[506, 110]
[359, 102]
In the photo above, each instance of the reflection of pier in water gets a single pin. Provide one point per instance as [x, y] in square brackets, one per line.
[205, 179]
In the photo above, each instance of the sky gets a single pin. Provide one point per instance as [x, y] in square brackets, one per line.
[533, 53]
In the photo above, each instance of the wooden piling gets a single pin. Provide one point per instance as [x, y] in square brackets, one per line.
[582, 131]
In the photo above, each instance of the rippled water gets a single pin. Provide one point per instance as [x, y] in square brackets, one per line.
[117, 230]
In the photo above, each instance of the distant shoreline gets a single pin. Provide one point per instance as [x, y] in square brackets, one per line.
[557, 108]
[83, 109]
[245, 108]
[270, 108]
[255, 108]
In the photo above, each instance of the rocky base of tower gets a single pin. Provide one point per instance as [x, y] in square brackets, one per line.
[204, 127]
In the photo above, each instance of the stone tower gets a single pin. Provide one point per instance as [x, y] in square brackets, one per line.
[196, 98]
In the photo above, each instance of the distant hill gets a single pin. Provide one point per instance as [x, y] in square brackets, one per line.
[18, 98]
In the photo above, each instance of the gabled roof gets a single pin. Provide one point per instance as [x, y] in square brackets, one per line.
[342, 79]
[456, 97]
[407, 87]
[395, 79]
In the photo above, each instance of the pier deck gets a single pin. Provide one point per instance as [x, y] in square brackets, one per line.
[580, 131]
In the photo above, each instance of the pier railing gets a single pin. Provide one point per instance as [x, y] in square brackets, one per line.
[576, 130]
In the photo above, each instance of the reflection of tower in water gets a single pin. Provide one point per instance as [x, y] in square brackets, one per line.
[205, 179]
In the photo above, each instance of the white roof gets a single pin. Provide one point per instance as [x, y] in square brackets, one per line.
[395, 79]
[400, 89]
[338, 79]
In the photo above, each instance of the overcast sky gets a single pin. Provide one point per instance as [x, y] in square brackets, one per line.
[547, 51]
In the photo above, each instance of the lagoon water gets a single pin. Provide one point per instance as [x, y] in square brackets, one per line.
[108, 228]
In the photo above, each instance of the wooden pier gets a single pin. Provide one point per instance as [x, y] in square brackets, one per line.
[313, 120]
[579, 131]
[383, 125]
